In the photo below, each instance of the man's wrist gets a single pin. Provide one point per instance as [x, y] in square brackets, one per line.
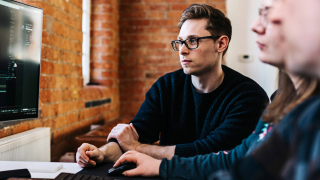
[137, 147]
[112, 152]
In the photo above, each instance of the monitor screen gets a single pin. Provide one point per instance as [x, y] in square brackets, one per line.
[20, 53]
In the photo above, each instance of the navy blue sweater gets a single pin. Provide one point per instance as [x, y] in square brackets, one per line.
[200, 123]
[202, 166]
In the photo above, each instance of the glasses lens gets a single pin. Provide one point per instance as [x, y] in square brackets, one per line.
[175, 45]
[192, 43]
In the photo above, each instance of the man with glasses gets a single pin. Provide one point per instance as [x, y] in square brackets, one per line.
[204, 107]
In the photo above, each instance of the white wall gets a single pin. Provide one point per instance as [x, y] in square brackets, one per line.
[242, 13]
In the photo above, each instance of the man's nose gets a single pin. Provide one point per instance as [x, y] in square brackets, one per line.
[183, 49]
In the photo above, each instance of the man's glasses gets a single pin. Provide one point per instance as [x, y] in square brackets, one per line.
[191, 43]
[263, 13]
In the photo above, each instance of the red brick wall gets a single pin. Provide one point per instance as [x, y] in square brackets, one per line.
[62, 95]
[141, 55]
[105, 42]
[146, 29]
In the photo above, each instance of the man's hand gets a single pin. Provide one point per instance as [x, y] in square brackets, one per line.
[146, 165]
[88, 155]
[126, 135]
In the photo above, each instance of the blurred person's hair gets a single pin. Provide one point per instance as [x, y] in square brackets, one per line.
[288, 97]
[218, 24]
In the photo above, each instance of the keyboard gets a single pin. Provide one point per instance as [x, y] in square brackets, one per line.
[68, 176]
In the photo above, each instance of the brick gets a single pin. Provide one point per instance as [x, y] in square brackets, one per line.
[153, 45]
[132, 106]
[174, 1]
[131, 97]
[134, 67]
[95, 25]
[102, 17]
[60, 29]
[156, 60]
[102, 66]
[173, 30]
[101, 33]
[95, 2]
[168, 68]
[108, 9]
[35, 123]
[159, 7]
[58, 136]
[132, 15]
[130, 74]
[52, 82]
[44, 96]
[152, 1]
[49, 123]
[164, 22]
[109, 25]
[48, 111]
[131, 1]
[20, 128]
[221, 6]
[109, 74]
[71, 118]
[5, 132]
[154, 75]
[196, 1]
[179, 7]
[103, 49]
[60, 122]
[136, 90]
[134, 22]
[134, 7]
[156, 15]
[46, 67]
[110, 58]
[174, 14]
[43, 82]
[95, 41]
[56, 95]
[78, 3]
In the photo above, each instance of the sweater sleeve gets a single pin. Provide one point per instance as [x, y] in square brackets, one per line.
[148, 119]
[202, 166]
[240, 118]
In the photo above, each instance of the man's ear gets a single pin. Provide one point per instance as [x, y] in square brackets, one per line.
[223, 43]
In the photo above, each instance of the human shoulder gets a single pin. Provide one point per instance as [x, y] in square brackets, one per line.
[238, 82]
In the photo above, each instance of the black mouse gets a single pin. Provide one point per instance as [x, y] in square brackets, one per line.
[117, 171]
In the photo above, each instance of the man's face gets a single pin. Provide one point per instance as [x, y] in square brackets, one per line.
[205, 57]
[300, 21]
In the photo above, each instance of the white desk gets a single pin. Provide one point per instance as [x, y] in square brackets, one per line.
[67, 168]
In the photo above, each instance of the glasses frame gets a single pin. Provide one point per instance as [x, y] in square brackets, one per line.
[263, 13]
[181, 42]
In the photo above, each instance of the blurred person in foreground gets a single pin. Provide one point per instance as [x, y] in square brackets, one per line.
[292, 150]
[292, 91]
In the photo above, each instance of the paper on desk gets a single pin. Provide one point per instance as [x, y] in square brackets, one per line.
[41, 167]
[72, 168]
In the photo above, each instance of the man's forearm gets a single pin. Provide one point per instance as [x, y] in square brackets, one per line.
[155, 151]
[111, 152]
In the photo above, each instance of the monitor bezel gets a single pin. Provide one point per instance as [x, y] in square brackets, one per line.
[11, 119]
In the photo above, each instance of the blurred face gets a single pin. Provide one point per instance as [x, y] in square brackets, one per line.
[269, 37]
[205, 57]
[300, 22]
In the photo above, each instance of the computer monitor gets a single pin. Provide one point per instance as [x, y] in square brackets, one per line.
[20, 54]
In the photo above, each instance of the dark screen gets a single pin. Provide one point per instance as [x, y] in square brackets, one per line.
[20, 53]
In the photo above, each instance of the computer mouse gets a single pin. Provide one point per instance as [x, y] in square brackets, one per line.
[117, 171]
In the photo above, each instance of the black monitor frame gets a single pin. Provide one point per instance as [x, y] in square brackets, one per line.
[18, 117]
